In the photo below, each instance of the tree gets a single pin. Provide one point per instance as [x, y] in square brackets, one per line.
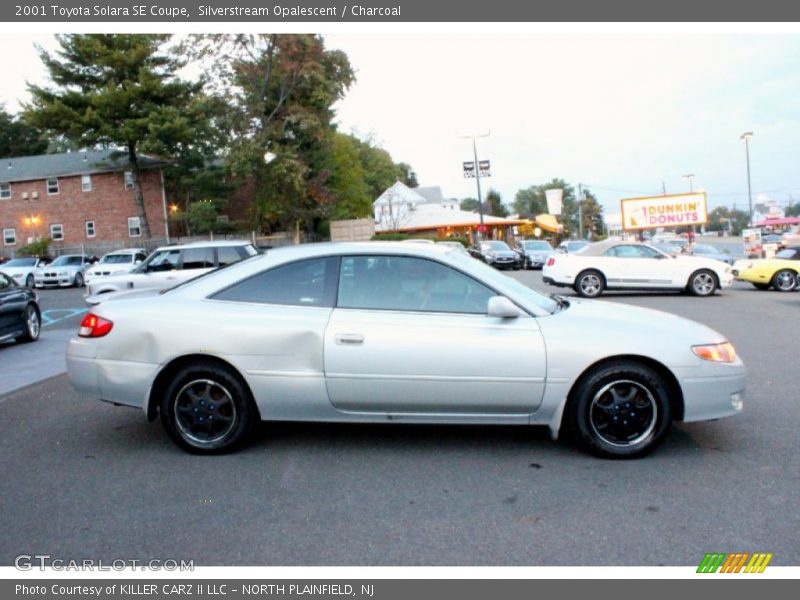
[530, 201]
[723, 219]
[469, 204]
[347, 180]
[591, 215]
[281, 90]
[115, 90]
[793, 210]
[494, 204]
[18, 137]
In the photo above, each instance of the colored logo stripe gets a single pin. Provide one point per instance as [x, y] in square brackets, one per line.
[734, 563]
[711, 562]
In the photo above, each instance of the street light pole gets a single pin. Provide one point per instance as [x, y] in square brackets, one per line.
[477, 176]
[746, 137]
[690, 177]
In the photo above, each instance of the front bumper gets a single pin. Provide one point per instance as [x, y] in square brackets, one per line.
[66, 281]
[707, 397]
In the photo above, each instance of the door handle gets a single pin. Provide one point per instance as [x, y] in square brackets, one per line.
[350, 339]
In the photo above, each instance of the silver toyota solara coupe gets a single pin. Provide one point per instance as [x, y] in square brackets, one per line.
[413, 333]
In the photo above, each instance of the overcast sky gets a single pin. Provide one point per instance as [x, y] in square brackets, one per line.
[620, 113]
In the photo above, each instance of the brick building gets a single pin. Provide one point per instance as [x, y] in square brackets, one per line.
[77, 198]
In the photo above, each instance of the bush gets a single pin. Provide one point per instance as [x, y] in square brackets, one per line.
[461, 240]
[390, 237]
[38, 248]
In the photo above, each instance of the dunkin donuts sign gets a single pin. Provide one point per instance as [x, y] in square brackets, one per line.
[678, 210]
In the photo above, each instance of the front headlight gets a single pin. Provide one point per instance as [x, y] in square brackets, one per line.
[62, 274]
[724, 352]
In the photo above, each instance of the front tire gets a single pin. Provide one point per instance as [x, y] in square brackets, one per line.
[208, 409]
[33, 325]
[784, 280]
[590, 284]
[703, 283]
[78, 280]
[29, 281]
[620, 410]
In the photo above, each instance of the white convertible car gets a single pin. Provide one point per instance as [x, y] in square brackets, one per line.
[616, 265]
[395, 332]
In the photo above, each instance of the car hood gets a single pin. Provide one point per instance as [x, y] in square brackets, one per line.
[503, 253]
[610, 323]
[67, 268]
[10, 271]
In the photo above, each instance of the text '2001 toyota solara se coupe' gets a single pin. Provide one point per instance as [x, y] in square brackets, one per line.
[398, 332]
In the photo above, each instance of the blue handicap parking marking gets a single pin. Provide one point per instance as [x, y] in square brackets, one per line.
[55, 315]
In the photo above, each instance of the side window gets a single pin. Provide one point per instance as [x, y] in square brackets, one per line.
[303, 283]
[197, 258]
[166, 260]
[227, 255]
[408, 284]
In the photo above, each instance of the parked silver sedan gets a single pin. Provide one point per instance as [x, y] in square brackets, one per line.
[412, 333]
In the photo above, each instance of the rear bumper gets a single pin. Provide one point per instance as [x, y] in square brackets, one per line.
[121, 382]
[551, 281]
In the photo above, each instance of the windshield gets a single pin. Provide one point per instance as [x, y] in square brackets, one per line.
[496, 246]
[576, 246]
[67, 261]
[702, 249]
[494, 278]
[116, 259]
[21, 262]
[537, 246]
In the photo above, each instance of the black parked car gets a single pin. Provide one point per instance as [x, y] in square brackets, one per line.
[534, 253]
[496, 253]
[20, 317]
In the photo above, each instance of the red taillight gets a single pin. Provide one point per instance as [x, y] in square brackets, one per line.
[93, 326]
[551, 262]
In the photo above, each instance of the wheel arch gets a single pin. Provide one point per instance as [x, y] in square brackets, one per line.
[675, 396]
[161, 381]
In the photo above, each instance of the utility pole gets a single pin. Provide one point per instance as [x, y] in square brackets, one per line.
[477, 178]
[580, 211]
[746, 137]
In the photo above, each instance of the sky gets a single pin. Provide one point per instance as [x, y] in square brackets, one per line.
[623, 114]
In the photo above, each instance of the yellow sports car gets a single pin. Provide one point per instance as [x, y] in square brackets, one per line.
[781, 272]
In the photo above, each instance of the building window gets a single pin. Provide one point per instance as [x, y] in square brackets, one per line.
[86, 183]
[89, 229]
[52, 185]
[5, 191]
[9, 236]
[57, 232]
[128, 177]
[134, 227]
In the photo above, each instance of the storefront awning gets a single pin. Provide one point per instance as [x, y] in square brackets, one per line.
[548, 223]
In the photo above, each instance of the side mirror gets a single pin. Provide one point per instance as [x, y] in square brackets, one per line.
[138, 262]
[502, 307]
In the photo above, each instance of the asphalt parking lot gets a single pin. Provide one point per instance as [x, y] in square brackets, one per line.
[83, 479]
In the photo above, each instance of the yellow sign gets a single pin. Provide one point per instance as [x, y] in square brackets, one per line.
[677, 210]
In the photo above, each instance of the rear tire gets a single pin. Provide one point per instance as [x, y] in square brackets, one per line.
[784, 280]
[208, 409]
[590, 284]
[620, 410]
[702, 283]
